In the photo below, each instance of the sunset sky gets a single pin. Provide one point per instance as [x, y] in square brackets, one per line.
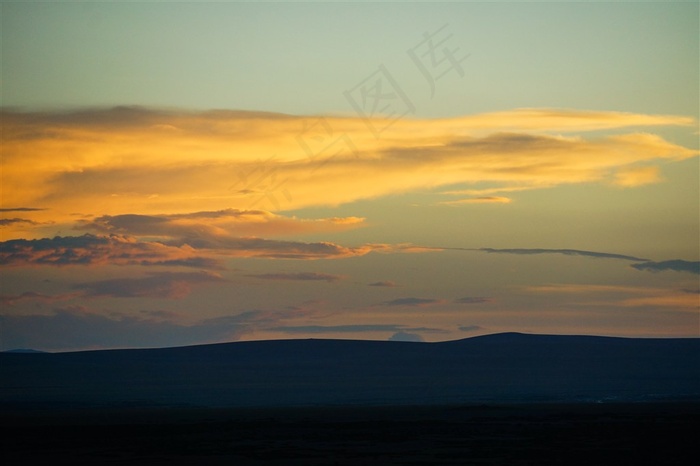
[186, 173]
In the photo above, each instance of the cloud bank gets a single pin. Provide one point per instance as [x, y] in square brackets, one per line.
[163, 162]
[215, 225]
[198, 252]
[473, 300]
[90, 249]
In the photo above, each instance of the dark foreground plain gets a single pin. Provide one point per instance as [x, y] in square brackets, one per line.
[519, 434]
[505, 399]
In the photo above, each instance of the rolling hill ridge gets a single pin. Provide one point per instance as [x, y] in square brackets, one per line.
[506, 367]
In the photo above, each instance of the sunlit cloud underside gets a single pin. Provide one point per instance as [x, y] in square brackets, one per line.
[134, 160]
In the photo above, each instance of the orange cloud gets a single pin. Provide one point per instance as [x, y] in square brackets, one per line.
[222, 223]
[114, 161]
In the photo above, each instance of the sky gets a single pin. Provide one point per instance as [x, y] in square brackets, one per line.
[179, 173]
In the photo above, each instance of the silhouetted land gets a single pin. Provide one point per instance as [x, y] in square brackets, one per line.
[501, 399]
[522, 434]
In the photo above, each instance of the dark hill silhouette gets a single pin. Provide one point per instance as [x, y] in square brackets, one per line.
[507, 367]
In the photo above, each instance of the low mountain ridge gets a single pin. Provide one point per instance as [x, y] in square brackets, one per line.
[505, 367]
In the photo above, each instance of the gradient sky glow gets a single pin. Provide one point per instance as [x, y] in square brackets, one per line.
[183, 173]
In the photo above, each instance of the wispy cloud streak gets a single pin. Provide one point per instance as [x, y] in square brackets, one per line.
[354, 328]
[676, 265]
[412, 302]
[174, 285]
[300, 276]
[566, 252]
[473, 300]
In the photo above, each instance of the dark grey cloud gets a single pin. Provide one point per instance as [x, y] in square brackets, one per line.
[51, 251]
[336, 328]
[155, 285]
[118, 117]
[75, 328]
[116, 249]
[676, 265]
[272, 249]
[13, 221]
[567, 252]
[11, 300]
[411, 302]
[299, 276]
[194, 262]
[170, 225]
[200, 232]
[187, 240]
[20, 209]
[90, 249]
[405, 336]
[357, 328]
[219, 229]
[473, 300]
[387, 283]
[131, 224]
[37, 125]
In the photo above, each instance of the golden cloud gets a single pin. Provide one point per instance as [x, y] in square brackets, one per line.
[114, 161]
[216, 224]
